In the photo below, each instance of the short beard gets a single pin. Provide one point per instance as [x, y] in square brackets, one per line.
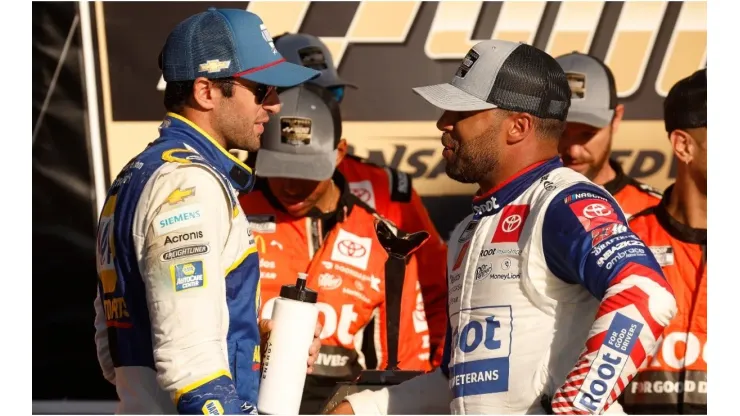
[475, 160]
[238, 133]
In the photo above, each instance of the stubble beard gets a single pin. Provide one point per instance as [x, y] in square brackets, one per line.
[473, 161]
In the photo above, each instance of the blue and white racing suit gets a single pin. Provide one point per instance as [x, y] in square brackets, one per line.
[176, 312]
[550, 294]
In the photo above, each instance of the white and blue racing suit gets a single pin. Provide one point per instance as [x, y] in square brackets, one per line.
[549, 294]
[176, 312]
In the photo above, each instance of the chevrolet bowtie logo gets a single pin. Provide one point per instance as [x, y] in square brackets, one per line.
[179, 195]
[214, 65]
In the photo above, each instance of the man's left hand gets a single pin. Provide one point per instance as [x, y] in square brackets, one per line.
[313, 351]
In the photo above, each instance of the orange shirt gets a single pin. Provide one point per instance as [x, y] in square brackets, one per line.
[346, 265]
[675, 381]
[633, 196]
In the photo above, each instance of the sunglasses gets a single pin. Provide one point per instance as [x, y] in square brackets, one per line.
[261, 91]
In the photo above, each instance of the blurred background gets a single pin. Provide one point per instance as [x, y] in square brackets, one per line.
[97, 101]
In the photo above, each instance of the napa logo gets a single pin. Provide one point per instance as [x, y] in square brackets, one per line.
[185, 216]
[213, 407]
[188, 275]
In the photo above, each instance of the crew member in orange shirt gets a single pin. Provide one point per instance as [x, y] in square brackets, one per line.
[389, 191]
[593, 119]
[306, 219]
[675, 381]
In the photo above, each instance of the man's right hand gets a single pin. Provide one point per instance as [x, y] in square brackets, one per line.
[344, 408]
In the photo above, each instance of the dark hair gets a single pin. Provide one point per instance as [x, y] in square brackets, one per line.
[549, 128]
[178, 93]
[685, 106]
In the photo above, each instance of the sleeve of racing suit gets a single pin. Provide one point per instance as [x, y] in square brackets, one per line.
[432, 263]
[186, 296]
[101, 341]
[586, 241]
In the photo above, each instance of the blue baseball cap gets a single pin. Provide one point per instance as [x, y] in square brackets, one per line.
[223, 43]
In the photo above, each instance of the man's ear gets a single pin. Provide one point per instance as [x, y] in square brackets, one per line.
[518, 126]
[617, 119]
[203, 93]
[683, 145]
[341, 150]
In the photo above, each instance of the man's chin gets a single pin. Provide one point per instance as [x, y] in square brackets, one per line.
[458, 176]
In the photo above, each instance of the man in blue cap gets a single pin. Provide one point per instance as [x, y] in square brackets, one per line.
[178, 291]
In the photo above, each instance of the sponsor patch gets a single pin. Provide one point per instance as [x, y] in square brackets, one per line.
[351, 249]
[185, 216]
[263, 223]
[592, 212]
[312, 57]
[180, 195]
[510, 224]
[581, 195]
[620, 339]
[179, 238]
[363, 190]
[577, 84]
[468, 232]
[213, 66]
[213, 407]
[186, 251]
[328, 281]
[295, 131]
[603, 233]
[663, 254]
[188, 275]
[467, 63]
[486, 333]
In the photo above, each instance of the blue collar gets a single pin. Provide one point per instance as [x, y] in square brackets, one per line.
[494, 200]
[234, 170]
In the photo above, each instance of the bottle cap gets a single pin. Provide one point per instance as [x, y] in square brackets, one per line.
[298, 291]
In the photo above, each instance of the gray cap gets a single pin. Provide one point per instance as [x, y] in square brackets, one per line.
[300, 142]
[311, 52]
[507, 75]
[594, 92]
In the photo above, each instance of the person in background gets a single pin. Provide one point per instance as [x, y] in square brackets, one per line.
[306, 219]
[593, 120]
[178, 287]
[389, 191]
[675, 381]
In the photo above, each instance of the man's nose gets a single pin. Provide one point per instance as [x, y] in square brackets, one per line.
[445, 122]
[573, 150]
[272, 102]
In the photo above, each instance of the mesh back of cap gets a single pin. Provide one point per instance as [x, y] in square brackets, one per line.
[532, 81]
[686, 104]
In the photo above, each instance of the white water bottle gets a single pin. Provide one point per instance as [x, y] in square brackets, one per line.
[294, 319]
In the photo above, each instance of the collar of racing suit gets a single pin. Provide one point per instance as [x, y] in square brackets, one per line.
[234, 170]
[507, 191]
[620, 181]
[677, 230]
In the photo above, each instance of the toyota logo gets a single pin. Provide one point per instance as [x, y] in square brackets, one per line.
[362, 194]
[596, 210]
[351, 249]
[511, 223]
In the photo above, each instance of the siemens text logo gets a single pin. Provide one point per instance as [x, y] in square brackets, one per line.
[185, 216]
